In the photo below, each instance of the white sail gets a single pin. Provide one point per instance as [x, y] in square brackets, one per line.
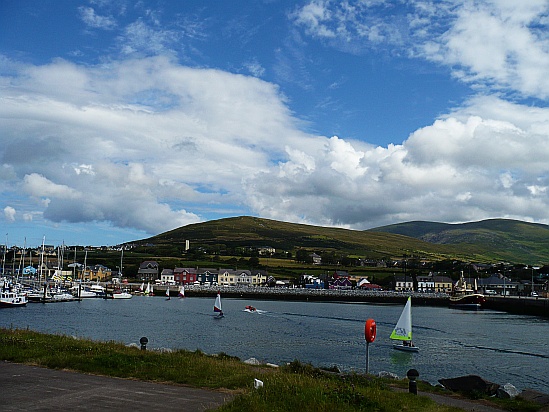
[148, 290]
[403, 328]
[217, 304]
[182, 292]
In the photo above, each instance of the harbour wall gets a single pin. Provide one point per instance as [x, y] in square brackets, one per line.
[519, 305]
[511, 304]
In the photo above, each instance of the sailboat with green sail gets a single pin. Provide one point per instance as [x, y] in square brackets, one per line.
[403, 330]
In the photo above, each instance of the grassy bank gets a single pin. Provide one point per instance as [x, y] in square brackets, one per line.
[289, 388]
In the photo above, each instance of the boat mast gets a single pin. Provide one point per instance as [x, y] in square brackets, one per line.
[121, 258]
[22, 260]
[74, 265]
[42, 259]
[4, 259]
[85, 264]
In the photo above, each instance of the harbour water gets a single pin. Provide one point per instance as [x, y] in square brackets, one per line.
[497, 346]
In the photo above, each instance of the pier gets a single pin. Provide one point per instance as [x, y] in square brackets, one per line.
[520, 305]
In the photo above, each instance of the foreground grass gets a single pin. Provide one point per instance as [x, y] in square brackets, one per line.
[293, 387]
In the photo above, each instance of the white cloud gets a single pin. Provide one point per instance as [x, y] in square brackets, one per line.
[93, 20]
[152, 145]
[488, 44]
[39, 186]
[101, 148]
[9, 214]
[463, 167]
[255, 68]
[142, 39]
[499, 43]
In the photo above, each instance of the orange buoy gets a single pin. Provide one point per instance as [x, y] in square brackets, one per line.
[370, 330]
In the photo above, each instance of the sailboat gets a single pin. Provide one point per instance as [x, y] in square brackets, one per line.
[217, 307]
[403, 330]
[168, 293]
[181, 292]
[148, 290]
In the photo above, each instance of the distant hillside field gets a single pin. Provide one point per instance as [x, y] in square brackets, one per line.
[492, 240]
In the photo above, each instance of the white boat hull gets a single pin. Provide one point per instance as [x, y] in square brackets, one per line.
[122, 295]
[406, 348]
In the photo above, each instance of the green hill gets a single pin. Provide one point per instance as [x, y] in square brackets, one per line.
[501, 239]
[486, 241]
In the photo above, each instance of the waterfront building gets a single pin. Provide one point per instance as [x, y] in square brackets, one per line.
[184, 276]
[443, 284]
[208, 276]
[499, 283]
[148, 270]
[97, 273]
[403, 283]
[426, 283]
[259, 277]
[166, 276]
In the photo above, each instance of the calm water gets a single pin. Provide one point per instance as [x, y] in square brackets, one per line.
[497, 346]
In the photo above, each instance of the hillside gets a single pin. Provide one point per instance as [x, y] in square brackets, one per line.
[503, 239]
[487, 241]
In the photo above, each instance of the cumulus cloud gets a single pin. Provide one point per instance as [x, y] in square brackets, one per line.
[462, 167]
[9, 214]
[150, 144]
[139, 142]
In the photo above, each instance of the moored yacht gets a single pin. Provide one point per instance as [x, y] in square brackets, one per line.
[11, 297]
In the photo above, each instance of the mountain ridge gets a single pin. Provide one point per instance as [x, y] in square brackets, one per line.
[490, 240]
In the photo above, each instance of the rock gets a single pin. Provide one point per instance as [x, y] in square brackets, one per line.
[470, 384]
[507, 391]
[388, 375]
[163, 350]
[252, 361]
[534, 396]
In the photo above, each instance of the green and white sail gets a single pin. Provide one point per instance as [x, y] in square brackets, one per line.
[403, 328]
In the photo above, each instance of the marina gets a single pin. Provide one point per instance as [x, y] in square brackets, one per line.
[498, 346]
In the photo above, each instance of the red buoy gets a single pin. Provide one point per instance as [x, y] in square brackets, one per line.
[370, 330]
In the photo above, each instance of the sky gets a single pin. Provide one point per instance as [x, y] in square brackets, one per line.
[123, 119]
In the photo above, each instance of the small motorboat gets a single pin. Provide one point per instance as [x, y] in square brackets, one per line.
[250, 308]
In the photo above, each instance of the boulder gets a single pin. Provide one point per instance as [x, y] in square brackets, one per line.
[535, 396]
[252, 361]
[470, 384]
[507, 391]
[387, 375]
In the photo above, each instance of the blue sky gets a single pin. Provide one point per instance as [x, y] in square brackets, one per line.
[123, 119]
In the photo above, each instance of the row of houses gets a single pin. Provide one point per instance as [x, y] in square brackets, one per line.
[209, 276]
[148, 271]
[494, 284]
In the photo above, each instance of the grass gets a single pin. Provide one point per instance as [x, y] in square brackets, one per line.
[293, 387]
